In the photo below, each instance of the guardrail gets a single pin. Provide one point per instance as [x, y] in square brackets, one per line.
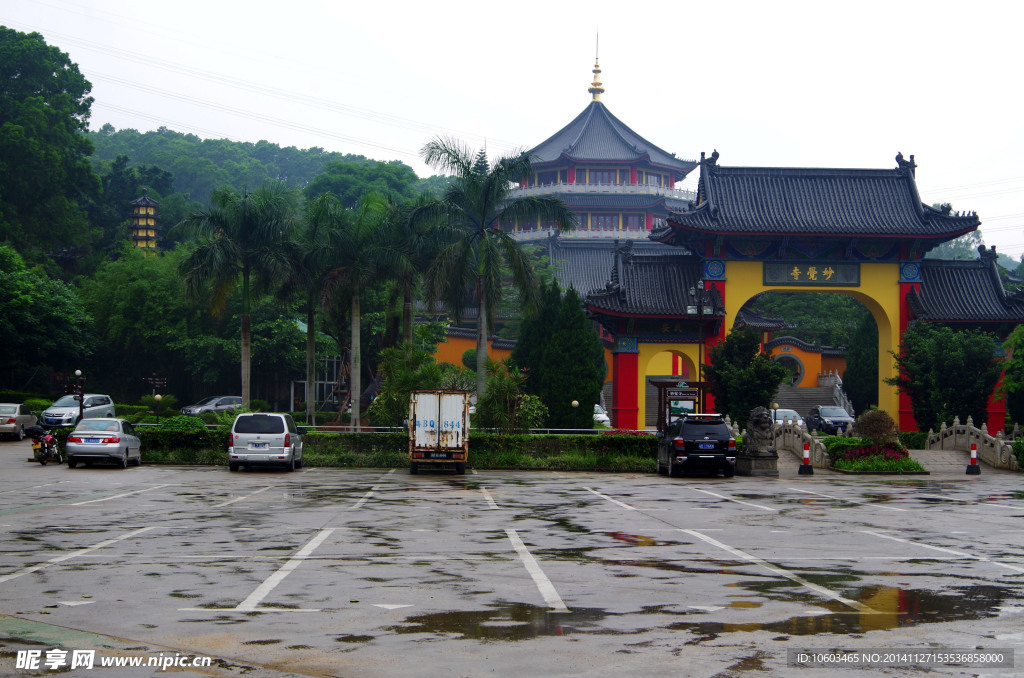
[994, 450]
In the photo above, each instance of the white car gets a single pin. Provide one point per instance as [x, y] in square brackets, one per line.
[601, 417]
[65, 411]
[780, 415]
[14, 419]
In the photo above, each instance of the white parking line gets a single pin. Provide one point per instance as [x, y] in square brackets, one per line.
[264, 589]
[820, 590]
[22, 489]
[547, 589]
[118, 496]
[366, 497]
[849, 501]
[232, 501]
[614, 501]
[993, 504]
[490, 500]
[73, 554]
[738, 501]
[961, 554]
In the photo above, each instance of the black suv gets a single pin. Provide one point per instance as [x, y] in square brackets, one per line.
[828, 419]
[697, 442]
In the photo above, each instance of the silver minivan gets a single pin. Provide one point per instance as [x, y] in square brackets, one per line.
[265, 439]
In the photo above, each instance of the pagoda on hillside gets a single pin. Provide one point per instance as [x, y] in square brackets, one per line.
[145, 228]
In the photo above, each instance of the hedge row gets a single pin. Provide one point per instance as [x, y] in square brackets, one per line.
[623, 453]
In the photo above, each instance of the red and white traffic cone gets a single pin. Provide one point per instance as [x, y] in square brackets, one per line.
[805, 468]
[973, 469]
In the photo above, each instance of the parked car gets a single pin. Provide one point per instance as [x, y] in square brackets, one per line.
[780, 415]
[14, 419]
[64, 412]
[213, 404]
[112, 440]
[601, 417]
[264, 438]
[828, 419]
[697, 442]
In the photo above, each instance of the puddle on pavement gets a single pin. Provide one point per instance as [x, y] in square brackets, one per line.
[893, 608]
[515, 621]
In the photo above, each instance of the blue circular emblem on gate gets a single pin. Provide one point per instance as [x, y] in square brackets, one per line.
[714, 269]
[910, 271]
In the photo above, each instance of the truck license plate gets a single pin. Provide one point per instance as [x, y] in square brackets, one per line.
[438, 455]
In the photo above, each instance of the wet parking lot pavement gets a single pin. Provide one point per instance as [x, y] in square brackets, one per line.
[368, 572]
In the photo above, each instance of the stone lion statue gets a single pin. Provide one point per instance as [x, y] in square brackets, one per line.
[760, 437]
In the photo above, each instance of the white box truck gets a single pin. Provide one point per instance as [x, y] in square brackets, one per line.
[438, 430]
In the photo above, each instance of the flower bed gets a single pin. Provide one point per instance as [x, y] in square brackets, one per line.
[861, 456]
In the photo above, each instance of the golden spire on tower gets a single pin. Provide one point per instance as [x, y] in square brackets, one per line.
[595, 87]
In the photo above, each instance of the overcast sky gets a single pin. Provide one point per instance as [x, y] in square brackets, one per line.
[795, 84]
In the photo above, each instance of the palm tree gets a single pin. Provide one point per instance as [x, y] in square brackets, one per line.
[244, 240]
[478, 250]
[354, 247]
[315, 260]
[412, 244]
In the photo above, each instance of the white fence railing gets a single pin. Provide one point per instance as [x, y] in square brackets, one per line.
[994, 450]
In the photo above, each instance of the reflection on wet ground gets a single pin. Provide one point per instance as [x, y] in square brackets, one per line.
[893, 608]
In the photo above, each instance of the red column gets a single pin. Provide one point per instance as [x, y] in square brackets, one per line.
[572, 175]
[625, 404]
[632, 176]
[905, 419]
[649, 220]
[996, 410]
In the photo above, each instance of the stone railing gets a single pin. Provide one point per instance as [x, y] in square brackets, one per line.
[994, 450]
[833, 379]
[790, 436]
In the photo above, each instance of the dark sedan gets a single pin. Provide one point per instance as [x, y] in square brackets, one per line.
[828, 419]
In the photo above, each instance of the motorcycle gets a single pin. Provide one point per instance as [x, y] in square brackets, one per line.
[44, 445]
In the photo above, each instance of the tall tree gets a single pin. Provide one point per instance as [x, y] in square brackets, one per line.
[245, 241]
[42, 325]
[740, 376]
[355, 244]
[860, 380]
[46, 180]
[478, 250]
[412, 242]
[946, 373]
[560, 353]
[1013, 380]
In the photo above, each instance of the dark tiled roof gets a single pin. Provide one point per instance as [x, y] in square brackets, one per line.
[964, 291]
[585, 264]
[597, 135]
[651, 283]
[759, 322]
[801, 344]
[778, 201]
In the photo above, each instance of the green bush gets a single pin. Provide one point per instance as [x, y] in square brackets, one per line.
[876, 426]
[129, 411]
[1018, 451]
[914, 440]
[257, 405]
[182, 423]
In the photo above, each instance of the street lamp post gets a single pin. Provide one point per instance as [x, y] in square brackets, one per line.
[81, 394]
[158, 398]
[575, 406]
[701, 306]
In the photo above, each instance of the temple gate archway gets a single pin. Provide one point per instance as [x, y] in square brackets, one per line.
[857, 232]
